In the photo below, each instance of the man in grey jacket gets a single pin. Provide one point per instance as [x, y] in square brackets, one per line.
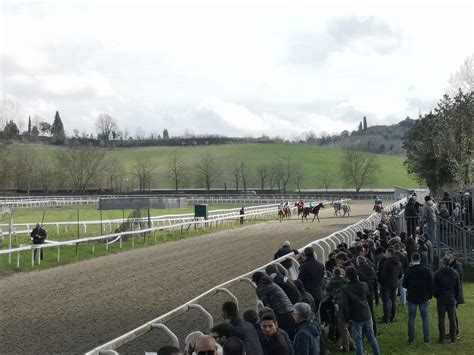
[429, 214]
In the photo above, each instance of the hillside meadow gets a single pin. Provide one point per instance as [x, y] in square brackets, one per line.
[313, 160]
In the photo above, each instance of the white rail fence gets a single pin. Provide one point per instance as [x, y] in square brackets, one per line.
[322, 249]
[183, 224]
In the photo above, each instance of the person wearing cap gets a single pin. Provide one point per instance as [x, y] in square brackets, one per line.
[356, 309]
[312, 275]
[307, 333]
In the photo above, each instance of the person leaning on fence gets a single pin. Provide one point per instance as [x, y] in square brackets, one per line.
[446, 291]
[284, 250]
[38, 236]
[284, 282]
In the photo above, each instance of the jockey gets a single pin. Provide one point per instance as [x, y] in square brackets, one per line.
[301, 203]
[378, 200]
[281, 205]
[286, 204]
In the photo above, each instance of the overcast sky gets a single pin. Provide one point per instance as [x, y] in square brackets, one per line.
[234, 69]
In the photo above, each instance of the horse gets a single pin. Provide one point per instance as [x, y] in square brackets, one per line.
[313, 210]
[337, 208]
[378, 208]
[346, 209]
[284, 212]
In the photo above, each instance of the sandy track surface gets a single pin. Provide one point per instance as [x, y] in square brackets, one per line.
[74, 308]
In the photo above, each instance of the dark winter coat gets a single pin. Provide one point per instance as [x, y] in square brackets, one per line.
[307, 338]
[284, 250]
[391, 273]
[246, 331]
[446, 284]
[354, 302]
[418, 281]
[287, 286]
[367, 274]
[312, 276]
[273, 296]
[335, 287]
[277, 344]
[457, 266]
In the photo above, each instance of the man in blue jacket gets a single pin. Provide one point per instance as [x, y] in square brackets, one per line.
[307, 333]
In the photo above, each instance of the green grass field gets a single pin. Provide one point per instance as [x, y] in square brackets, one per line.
[313, 161]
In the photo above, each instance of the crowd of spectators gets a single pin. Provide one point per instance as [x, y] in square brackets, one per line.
[332, 305]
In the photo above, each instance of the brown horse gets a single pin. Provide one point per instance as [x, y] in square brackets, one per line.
[313, 210]
[284, 212]
[300, 209]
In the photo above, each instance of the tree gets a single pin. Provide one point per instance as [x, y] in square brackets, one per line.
[358, 169]
[29, 125]
[360, 127]
[57, 130]
[236, 176]
[207, 170]
[166, 135]
[106, 128]
[80, 165]
[113, 171]
[463, 79]
[263, 175]
[365, 123]
[9, 110]
[143, 170]
[44, 127]
[298, 176]
[177, 169]
[11, 130]
[243, 174]
[26, 164]
[439, 145]
[286, 171]
[326, 179]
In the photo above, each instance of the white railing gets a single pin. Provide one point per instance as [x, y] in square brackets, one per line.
[322, 249]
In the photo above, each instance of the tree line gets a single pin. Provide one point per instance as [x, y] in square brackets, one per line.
[78, 169]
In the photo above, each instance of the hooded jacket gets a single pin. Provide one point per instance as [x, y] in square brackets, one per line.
[307, 338]
[312, 276]
[287, 286]
[391, 272]
[430, 211]
[246, 331]
[456, 265]
[354, 302]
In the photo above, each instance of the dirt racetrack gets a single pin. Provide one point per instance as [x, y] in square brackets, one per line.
[74, 308]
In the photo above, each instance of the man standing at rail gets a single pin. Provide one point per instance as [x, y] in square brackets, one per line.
[38, 236]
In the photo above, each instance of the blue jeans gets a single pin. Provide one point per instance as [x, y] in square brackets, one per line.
[403, 292]
[424, 317]
[431, 231]
[358, 332]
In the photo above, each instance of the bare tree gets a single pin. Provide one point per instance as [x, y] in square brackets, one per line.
[326, 178]
[263, 175]
[113, 171]
[143, 170]
[177, 169]
[275, 175]
[107, 128]
[463, 79]
[25, 170]
[244, 175]
[80, 165]
[9, 110]
[236, 176]
[7, 165]
[286, 171]
[207, 170]
[298, 176]
[358, 169]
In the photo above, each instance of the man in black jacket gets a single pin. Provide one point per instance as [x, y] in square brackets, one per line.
[446, 291]
[367, 274]
[456, 265]
[312, 275]
[284, 250]
[275, 342]
[356, 309]
[242, 329]
[38, 236]
[418, 281]
[284, 282]
[389, 275]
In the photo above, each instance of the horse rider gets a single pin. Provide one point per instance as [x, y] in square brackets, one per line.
[281, 205]
[301, 203]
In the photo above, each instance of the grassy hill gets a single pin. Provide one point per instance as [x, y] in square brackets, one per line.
[312, 159]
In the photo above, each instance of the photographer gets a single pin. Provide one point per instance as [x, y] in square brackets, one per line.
[38, 236]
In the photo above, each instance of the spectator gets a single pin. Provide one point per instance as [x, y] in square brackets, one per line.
[401, 255]
[244, 330]
[429, 214]
[251, 316]
[233, 346]
[446, 291]
[38, 236]
[206, 345]
[411, 217]
[190, 342]
[356, 309]
[284, 282]
[221, 332]
[169, 350]
[305, 295]
[307, 333]
[418, 281]
[449, 203]
[457, 266]
[285, 250]
[312, 275]
[242, 213]
[367, 274]
[275, 342]
[389, 276]
[273, 296]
